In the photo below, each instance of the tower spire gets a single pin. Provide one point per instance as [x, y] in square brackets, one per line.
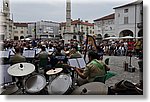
[68, 16]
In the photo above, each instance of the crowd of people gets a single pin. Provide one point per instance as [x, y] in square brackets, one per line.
[95, 67]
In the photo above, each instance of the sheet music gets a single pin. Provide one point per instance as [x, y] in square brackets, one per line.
[1, 54]
[38, 51]
[60, 57]
[25, 53]
[73, 62]
[29, 53]
[11, 52]
[81, 62]
[4, 54]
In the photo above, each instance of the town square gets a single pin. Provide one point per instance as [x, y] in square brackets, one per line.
[71, 50]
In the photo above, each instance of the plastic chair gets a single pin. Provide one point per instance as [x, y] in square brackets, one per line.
[100, 79]
[107, 61]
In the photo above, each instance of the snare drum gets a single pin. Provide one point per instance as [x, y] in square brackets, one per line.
[34, 84]
[60, 85]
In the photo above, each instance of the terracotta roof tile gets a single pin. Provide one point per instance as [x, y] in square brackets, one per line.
[21, 24]
[111, 16]
[78, 22]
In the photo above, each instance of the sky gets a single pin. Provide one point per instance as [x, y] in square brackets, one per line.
[54, 10]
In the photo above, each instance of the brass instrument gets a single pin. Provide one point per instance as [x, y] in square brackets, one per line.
[91, 41]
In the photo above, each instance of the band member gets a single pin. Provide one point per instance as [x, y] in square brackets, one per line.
[17, 58]
[94, 68]
[74, 53]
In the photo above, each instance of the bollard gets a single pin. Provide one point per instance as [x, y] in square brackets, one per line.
[125, 66]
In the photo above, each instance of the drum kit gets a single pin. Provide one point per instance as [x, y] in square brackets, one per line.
[59, 83]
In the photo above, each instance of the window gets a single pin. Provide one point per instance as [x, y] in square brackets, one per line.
[118, 14]
[125, 10]
[16, 31]
[21, 32]
[125, 20]
[110, 28]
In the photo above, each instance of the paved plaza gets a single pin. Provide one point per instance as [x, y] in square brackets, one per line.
[116, 66]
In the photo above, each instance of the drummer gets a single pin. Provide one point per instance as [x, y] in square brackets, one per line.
[94, 68]
[17, 58]
[42, 59]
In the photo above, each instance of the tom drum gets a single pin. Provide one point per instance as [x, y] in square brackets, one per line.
[60, 85]
[35, 83]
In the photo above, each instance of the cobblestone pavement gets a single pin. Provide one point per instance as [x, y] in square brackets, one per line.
[116, 66]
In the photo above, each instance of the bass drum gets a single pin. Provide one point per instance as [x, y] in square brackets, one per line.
[34, 84]
[60, 85]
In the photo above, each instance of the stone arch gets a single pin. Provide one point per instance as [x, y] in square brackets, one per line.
[113, 36]
[106, 35]
[21, 37]
[16, 38]
[126, 33]
[74, 37]
[99, 36]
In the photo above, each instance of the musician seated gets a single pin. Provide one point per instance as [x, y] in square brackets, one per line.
[42, 59]
[17, 58]
[74, 53]
[58, 57]
[93, 69]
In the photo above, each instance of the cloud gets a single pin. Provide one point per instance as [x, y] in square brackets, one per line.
[35, 10]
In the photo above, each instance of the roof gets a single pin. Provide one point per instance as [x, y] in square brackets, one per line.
[111, 16]
[21, 24]
[78, 22]
[130, 4]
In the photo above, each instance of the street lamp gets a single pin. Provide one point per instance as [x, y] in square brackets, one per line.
[35, 30]
[86, 43]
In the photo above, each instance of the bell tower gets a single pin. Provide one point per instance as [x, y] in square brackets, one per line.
[8, 23]
[6, 8]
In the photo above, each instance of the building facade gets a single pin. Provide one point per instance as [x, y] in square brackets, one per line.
[79, 29]
[6, 22]
[44, 30]
[105, 26]
[129, 19]
[20, 30]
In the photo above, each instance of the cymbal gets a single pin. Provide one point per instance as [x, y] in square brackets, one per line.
[54, 71]
[21, 69]
[92, 88]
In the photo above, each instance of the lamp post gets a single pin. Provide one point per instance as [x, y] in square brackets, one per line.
[86, 43]
[35, 30]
